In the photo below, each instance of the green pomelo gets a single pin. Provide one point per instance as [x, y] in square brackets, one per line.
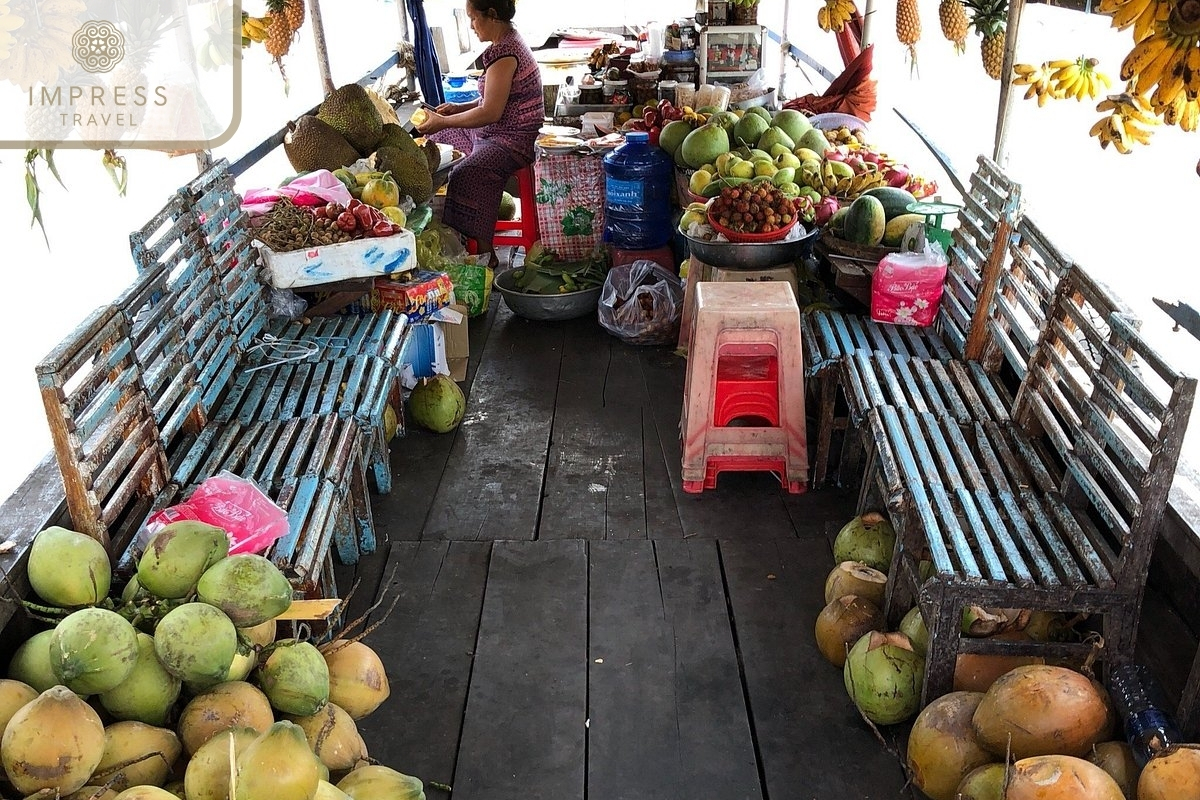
[136, 754]
[93, 650]
[295, 678]
[761, 112]
[207, 774]
[672, 135]
[727, 120]
[772, 137]
[794, 124]
[69, 569]
[703, 145]
[278, 765]
[178, 555]
[750, 128]
[248, 588]
[814, 140]
[147, 693]
[895, 201]
[31, 663]
[196, 643]
[865, 222]
[437, 404]
[374, 782]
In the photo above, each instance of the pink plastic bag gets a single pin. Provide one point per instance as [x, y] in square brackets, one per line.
[250, 519]
[906, 288]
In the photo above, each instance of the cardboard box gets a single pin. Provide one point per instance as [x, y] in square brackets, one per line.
[419, 295]
[362, 258]
[438, 346]
[458, 343]
[787, 274]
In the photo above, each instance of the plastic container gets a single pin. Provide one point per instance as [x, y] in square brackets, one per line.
[637, 194]
[685, 94]
[666, 90]
[1140, 705]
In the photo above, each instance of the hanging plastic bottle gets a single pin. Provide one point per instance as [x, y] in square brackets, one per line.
[1141, 707]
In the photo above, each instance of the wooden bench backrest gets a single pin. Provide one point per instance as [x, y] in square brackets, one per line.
[1102, 404]
[105, 438]
[179, 328]
[226, 230]
[992, 201]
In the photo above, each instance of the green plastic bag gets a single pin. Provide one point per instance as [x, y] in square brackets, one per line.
[472, 285]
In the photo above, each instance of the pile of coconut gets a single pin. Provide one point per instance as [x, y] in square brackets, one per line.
[176, 686]
[1014, 728]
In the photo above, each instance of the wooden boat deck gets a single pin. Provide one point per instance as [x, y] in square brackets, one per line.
[570, 624]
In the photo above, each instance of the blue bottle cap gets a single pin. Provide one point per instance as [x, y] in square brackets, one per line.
[638, 136]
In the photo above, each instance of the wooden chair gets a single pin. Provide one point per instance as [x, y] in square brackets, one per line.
[990, 210]
[1056, 510]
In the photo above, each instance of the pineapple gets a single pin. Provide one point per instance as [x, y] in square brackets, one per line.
[955, 25]
[908, 26]
[280, 32]
[989, 18]
[294, 14]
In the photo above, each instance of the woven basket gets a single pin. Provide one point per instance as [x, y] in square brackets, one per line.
[847, 248]
[743, 14]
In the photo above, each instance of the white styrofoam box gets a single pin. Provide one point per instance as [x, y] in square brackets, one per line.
[362, 258]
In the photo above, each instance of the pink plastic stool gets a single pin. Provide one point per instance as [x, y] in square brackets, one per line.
[745, 365]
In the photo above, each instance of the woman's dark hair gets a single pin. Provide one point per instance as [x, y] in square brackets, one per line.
[503, 10]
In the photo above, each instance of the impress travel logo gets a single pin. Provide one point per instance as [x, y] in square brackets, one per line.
[119, 74]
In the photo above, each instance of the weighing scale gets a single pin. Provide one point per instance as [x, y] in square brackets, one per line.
[933, 212]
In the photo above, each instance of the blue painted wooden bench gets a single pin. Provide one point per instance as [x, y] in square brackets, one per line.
[1057, 508]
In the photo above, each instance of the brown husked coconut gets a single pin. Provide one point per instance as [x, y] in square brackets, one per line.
[232, 704]
[942, 747]
[357, 680]
[53, 742]
[842, 623]
[1058, 777]
[1173, 775]
[1116, 758]
[136, 754]
[854, 577]
[333, 737]
[976, 672]
[1040, 710]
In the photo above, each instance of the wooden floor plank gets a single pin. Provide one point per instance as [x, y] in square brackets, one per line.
[491, 488]
[427, 646]
[667, 717]
[748, 503]
[524, 730]
[807, 729]
[594, 485]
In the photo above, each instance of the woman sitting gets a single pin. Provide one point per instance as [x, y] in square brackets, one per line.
[497, 131]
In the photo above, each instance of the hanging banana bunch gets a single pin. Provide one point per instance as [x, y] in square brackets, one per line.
[1062, 78]
[834, 15]
[1129, 121]
[254, 29]
[1165, 58]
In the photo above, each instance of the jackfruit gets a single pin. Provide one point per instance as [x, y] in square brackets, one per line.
[433, 156]
[311, 144]
[396, 136]
[412, 174]
[387, 159]
[350, 112]
[508, 207]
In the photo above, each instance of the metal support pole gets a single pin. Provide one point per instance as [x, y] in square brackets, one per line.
[318, 29]
[1011, 29]
[868, 16]
[784, 51]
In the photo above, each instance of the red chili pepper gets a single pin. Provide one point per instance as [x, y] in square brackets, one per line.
[347, 222]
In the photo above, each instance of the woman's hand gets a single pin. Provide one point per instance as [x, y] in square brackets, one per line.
[434, 122]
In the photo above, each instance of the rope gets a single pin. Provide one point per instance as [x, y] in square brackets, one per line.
[277, 351]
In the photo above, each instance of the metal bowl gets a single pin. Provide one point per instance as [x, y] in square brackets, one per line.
[546, 307]
[751, 255]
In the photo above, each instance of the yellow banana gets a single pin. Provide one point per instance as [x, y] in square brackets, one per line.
[1143, 54]
[1145, 25]
[1025, 69]
[1190, 116]
[1157, 69]
[1063, 74]
[1061, 63]
[1125, 16]
[1191, 73]
[823, 18]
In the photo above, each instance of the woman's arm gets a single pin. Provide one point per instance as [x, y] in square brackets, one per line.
[497, 87]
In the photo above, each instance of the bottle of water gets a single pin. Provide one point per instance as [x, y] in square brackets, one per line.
[637, 194]
[1142, 709]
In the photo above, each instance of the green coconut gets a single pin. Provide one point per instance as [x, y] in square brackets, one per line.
[333, 737]
[145, 793]
[207, 774]
[883, 677]
[69, 569]
[31, 662]
[913, 626]
[196, 643]
[375, 782]
[248, 588]
[149, 691]
[136, 754]
[278, 765]
[868, 538]
[178, 555]
[437, 404]
[93, 650]
[295, 678]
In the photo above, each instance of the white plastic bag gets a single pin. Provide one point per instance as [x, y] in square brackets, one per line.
[641, 303]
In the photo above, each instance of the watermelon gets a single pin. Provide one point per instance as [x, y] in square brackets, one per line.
[895, 201]
[865, 221]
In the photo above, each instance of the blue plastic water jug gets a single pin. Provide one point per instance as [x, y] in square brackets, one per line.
[637, 194]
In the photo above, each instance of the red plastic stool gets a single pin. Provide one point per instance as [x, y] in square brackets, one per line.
[523, 230]
[743, 405]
